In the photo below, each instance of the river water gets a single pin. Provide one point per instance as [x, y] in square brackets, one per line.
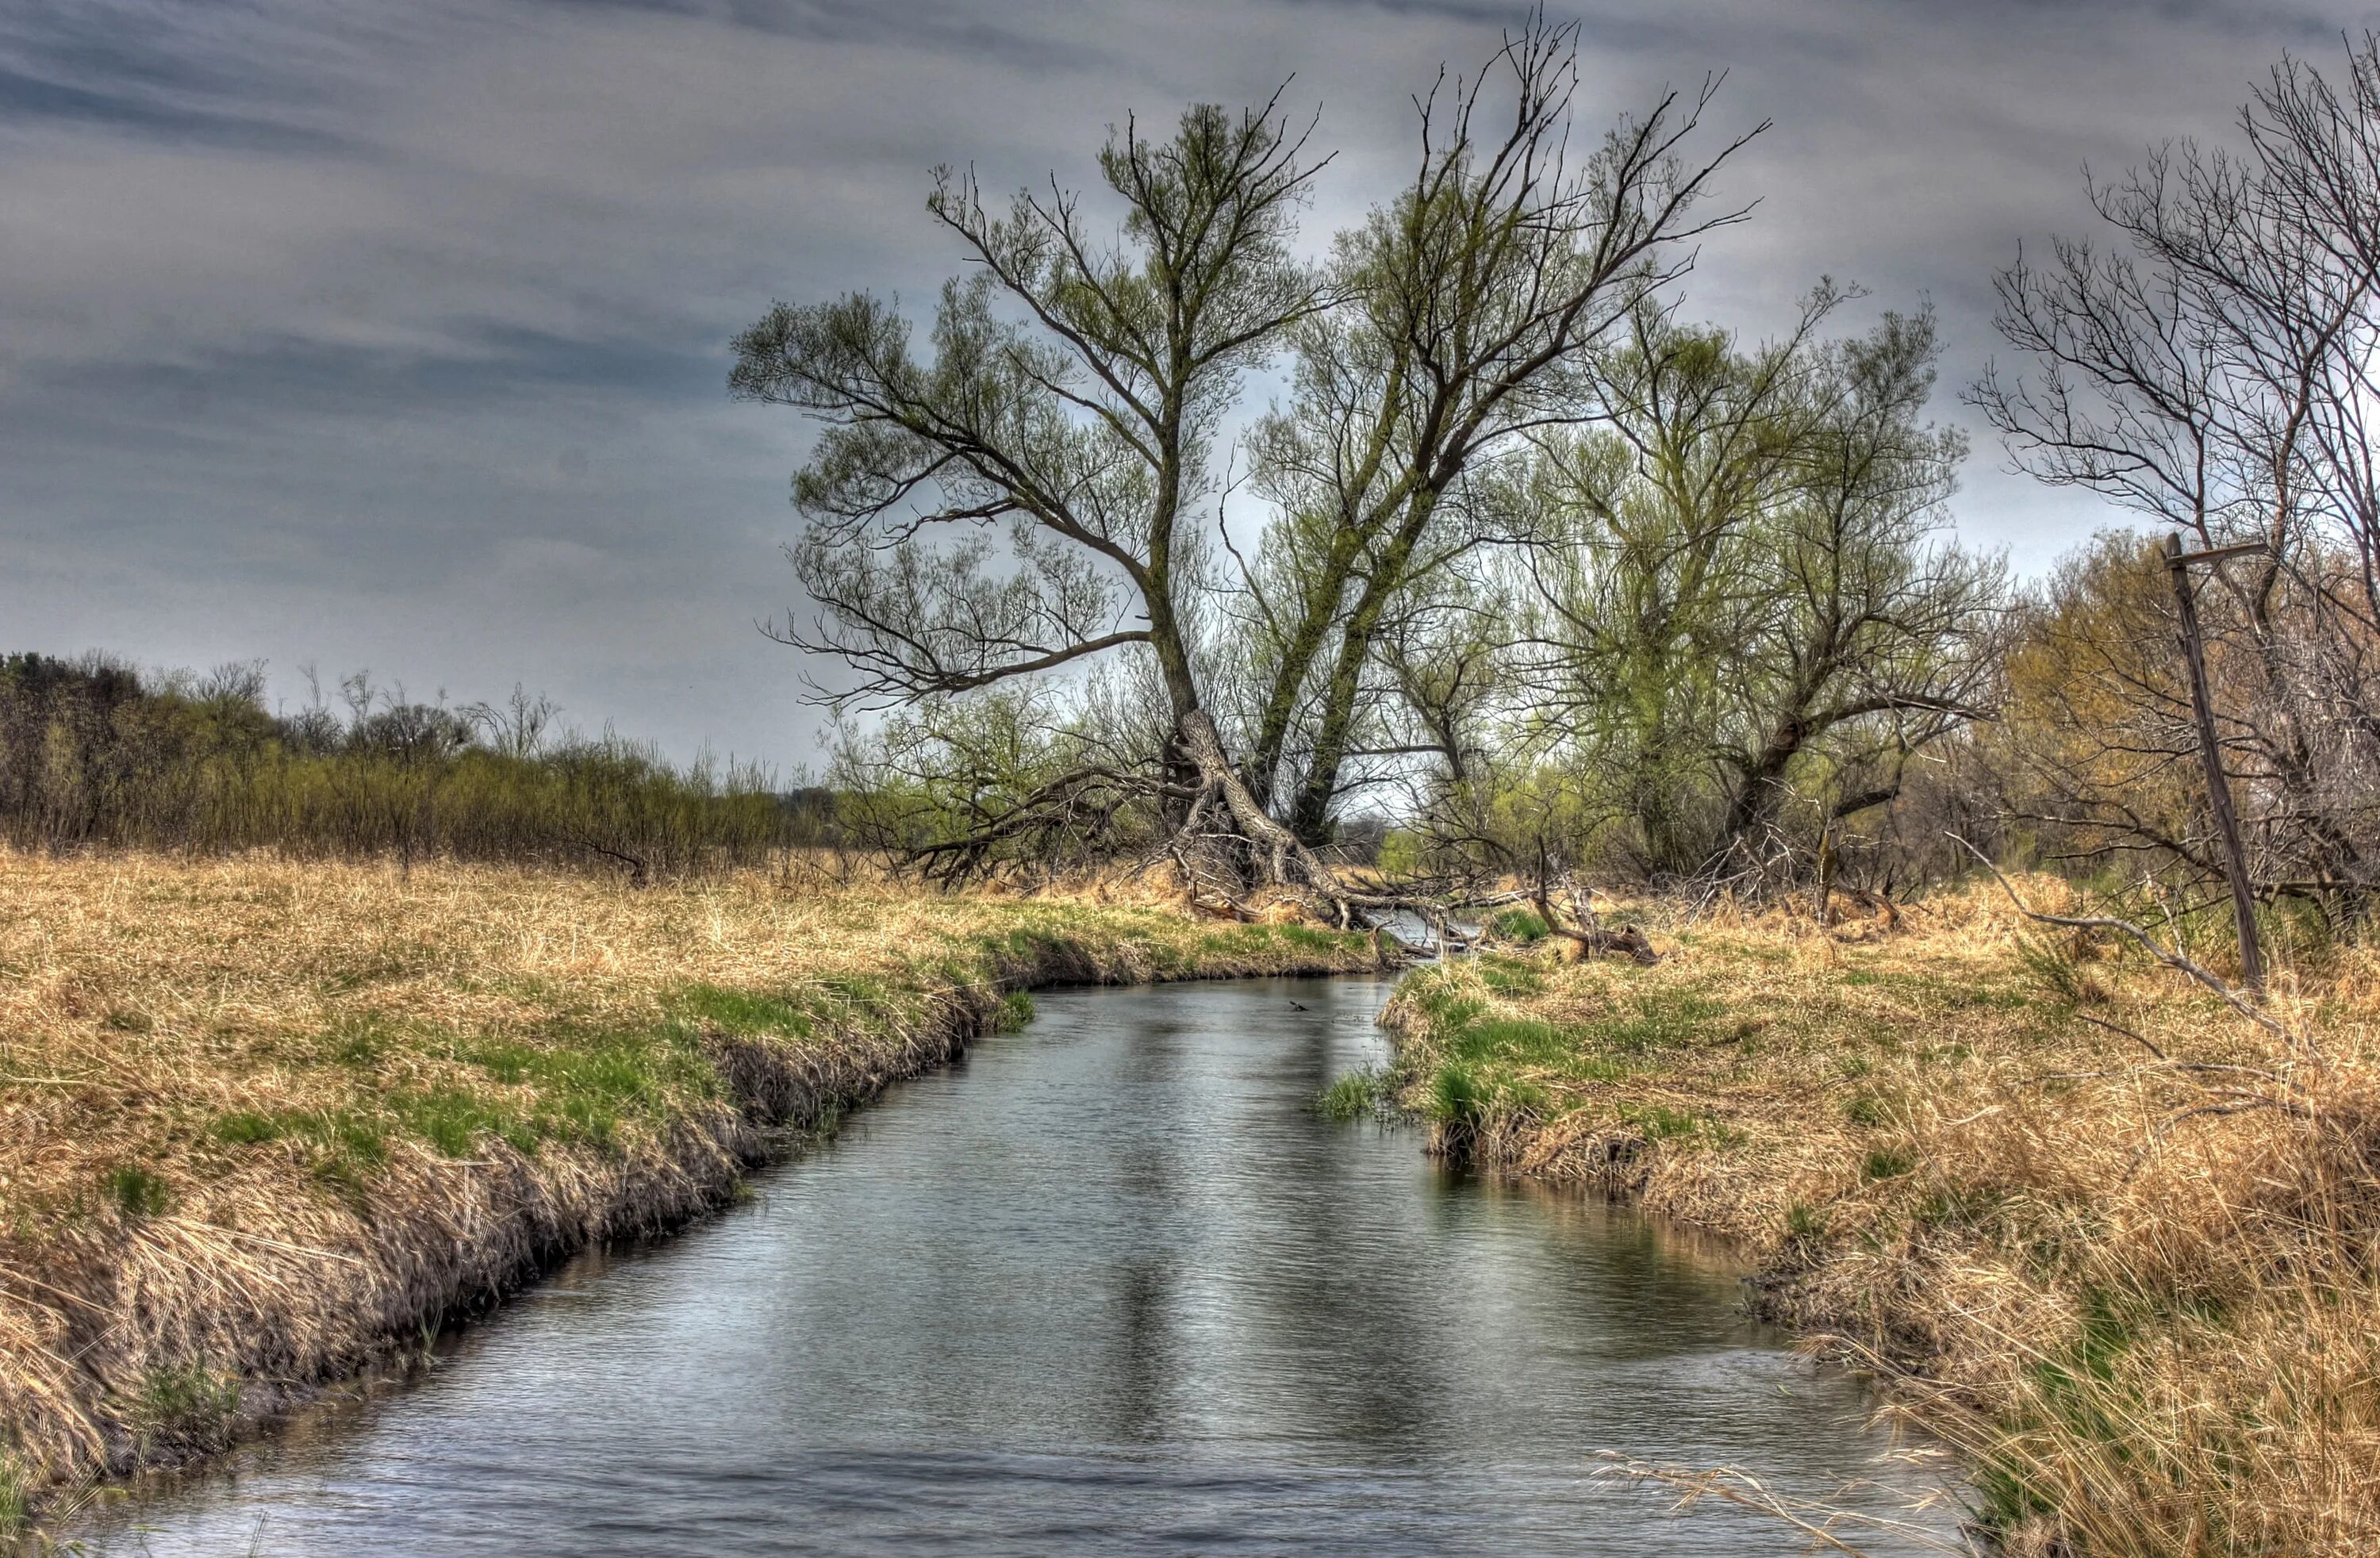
[1109, 1286]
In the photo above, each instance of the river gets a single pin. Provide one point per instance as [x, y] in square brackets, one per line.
[1108, 1285]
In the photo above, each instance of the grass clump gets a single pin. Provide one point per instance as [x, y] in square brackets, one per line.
[1884, 1162]
[1457, 1096]
[16, 1497]
[1357, 1095]
[1525, 926]
[244, 1127]
[137, 1192]
[185, 1405]
[746, 1012]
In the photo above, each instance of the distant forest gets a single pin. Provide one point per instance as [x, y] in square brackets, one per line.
[95, 752]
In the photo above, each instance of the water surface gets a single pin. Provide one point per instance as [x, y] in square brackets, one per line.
[1110, 1285]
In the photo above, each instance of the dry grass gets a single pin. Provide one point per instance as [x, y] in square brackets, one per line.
[261, 1122]
[2145, 1298]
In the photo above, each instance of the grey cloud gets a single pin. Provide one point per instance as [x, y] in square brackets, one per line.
[395, 336]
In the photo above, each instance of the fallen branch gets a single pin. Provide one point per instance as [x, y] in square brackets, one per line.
[1590, 937]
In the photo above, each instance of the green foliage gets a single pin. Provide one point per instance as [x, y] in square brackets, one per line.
[138, 1192]
[588, 1080]
[2055, 962]
[1016, 1009]
[1457, 1096]
[743, 1012]
[1661, 1124]
[1402, 852]
[244, 1128]
[453, 1120]
[1311, 938]
[1508, 978]
[1947, 1206]
[360, 1041]
[1747, 581]
[963, 786]
[1806, 1224]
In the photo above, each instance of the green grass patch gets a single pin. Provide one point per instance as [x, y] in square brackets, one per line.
[361, 1040]
[138, 1192]
[1525, 926]
[1664, 1019]
[1660, 1123]
[1506, 977]
[183, 1404]
[742, 1013]
[1949, 1206]
[453, 1121]
[244, 1128]
[1457, 1096]
[1016, 1009]
[1886, 1162]
[16, 1497]
[1307, 938]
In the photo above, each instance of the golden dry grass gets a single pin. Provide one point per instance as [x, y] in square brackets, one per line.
[2144, 1299]
[261, 1121]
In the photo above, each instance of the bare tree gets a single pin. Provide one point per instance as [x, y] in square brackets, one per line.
[1074, 395]
[2212, 372]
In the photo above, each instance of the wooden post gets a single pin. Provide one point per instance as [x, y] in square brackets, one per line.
[2218, 789]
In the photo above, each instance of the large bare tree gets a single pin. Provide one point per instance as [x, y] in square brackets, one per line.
[1472, 302]
[1020, 498]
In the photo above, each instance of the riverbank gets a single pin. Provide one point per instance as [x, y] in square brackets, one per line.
[263, 1124]
[2117, 1244]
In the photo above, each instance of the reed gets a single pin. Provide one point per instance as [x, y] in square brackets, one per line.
[265, 1121]
[2116, 1243]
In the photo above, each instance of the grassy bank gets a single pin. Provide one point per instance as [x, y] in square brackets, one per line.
[2120, 1245]
[261, 1123]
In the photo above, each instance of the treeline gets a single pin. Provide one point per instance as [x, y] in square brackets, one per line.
[93, 752]
[1551, 576]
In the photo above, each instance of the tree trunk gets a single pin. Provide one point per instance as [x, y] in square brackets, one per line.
[1311, 815]
[1757, 805]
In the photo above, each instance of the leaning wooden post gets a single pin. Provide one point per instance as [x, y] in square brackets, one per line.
[2218, 789]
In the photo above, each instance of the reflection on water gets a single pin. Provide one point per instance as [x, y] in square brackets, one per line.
[1110, 1285]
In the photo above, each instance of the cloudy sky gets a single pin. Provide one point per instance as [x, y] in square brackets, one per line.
[392, 334]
